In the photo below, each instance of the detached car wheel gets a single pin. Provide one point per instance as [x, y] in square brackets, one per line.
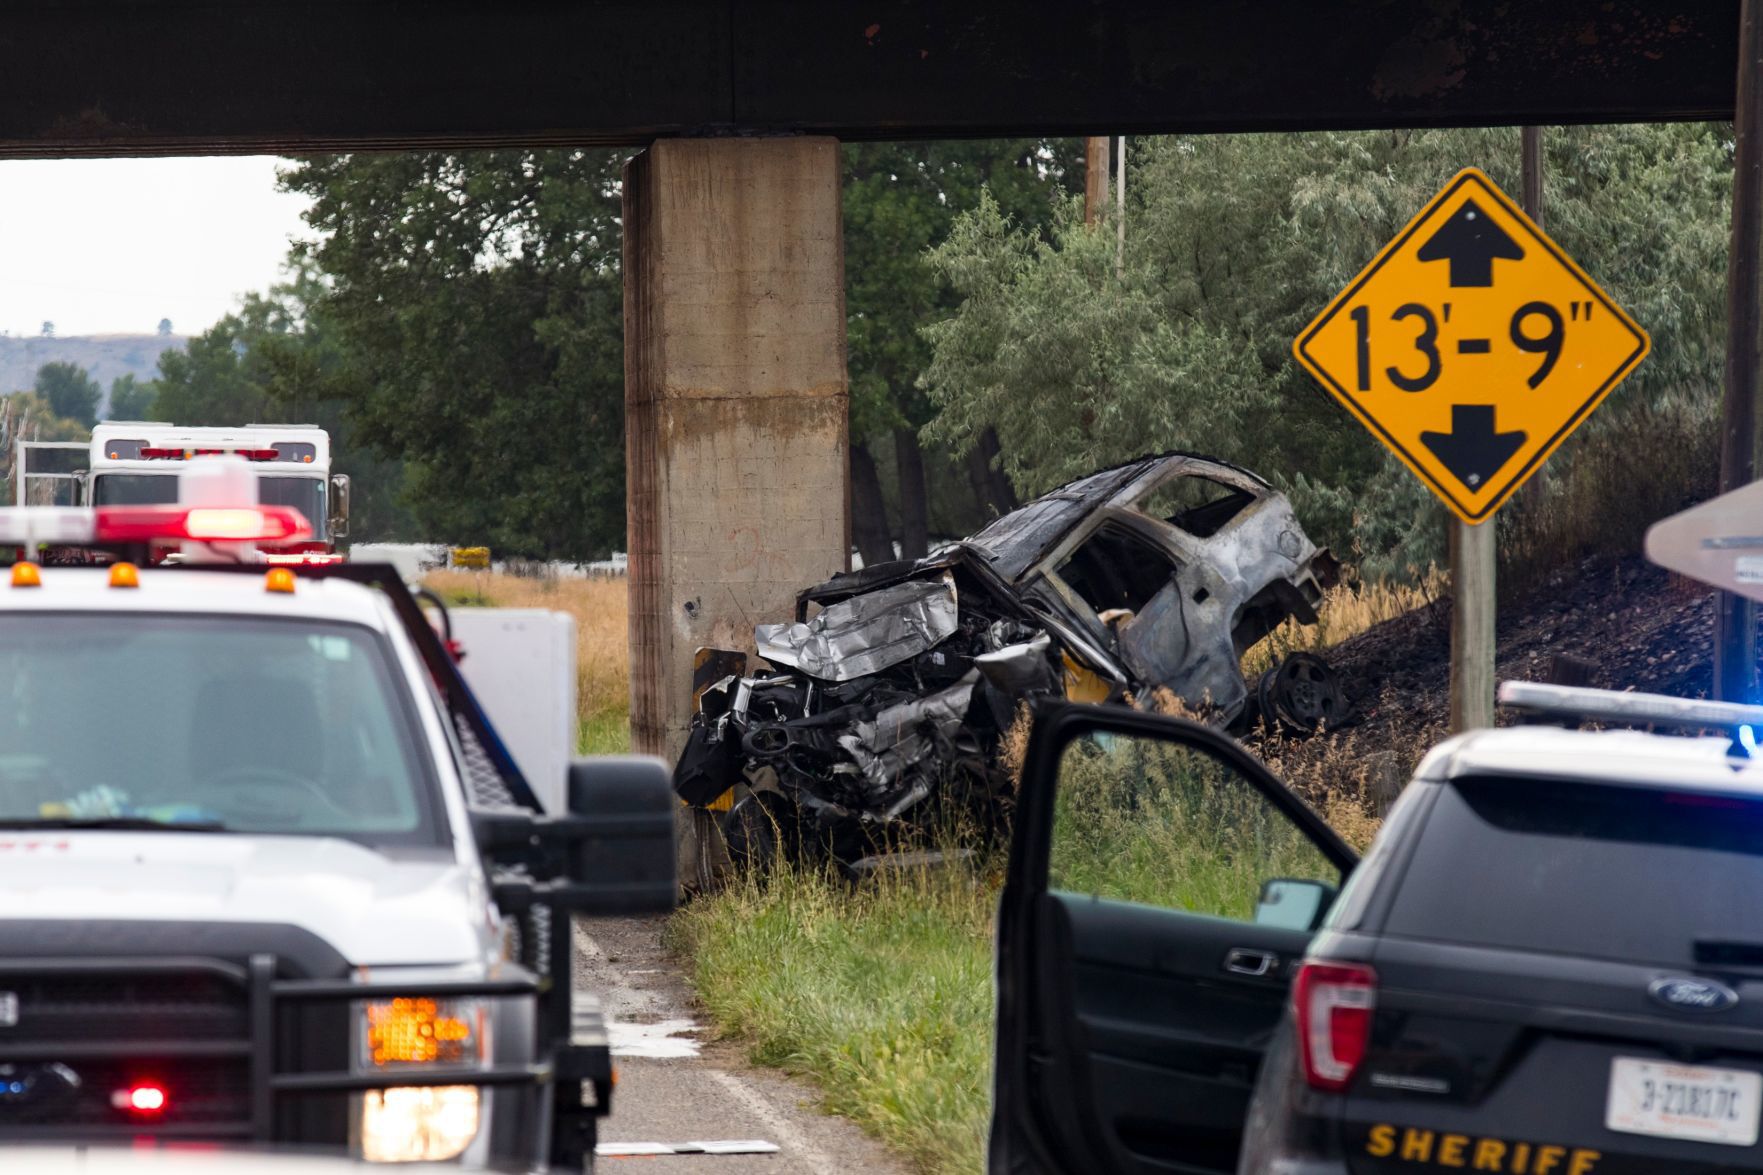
[1303, 695]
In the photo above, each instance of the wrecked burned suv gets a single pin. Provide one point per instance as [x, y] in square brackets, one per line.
[882, 714]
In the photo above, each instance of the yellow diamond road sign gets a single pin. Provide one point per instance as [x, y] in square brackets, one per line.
[1472, 345]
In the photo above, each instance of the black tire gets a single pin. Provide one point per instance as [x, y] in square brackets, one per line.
[761, 831]
[1303, 694]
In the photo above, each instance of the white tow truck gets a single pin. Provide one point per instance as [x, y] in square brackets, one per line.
[137, 463]
[267, 874]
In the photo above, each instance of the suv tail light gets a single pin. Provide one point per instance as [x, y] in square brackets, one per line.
[1333, 1003]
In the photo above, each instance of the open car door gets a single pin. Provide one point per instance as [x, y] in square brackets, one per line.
[1162, 886]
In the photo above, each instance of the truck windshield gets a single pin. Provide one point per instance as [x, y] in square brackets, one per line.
[252, 725]
[305, 494]
[134, 489]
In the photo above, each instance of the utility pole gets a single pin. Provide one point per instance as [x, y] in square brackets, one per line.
[1472, 625]
[1735, 621]
[1120, 207]
[1095, 177]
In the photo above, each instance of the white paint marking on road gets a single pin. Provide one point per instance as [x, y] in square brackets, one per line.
[741, 1146]
[780, 1126]
[660, 1041]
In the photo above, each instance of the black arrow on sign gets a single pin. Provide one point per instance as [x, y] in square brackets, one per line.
[1472, 450]
[1471, 242]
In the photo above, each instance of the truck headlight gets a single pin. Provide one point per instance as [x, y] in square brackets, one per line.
[418, 1124]
[407, 1124]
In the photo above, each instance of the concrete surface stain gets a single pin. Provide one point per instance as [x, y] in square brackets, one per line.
[661, 1041]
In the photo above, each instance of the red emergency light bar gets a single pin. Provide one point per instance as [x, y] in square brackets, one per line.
[152, 454]
[208, 524]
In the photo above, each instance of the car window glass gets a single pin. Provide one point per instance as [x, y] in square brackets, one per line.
[305, 494]
[1602, 871]
[1115, 569]
[1196, 504]
[1159, 823]
[1356, 894]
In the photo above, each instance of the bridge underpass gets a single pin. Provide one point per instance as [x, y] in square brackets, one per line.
[734, 306]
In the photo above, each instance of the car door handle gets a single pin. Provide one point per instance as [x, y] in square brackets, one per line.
[1253, 963]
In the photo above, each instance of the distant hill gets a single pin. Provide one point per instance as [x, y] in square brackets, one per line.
[104, 356]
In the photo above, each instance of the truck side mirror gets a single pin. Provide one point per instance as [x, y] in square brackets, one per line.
[621, 853]
[338, 521]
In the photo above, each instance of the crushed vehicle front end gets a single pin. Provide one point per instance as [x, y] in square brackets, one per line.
[882, 711]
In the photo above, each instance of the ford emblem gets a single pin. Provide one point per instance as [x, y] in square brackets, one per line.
[1693, 995]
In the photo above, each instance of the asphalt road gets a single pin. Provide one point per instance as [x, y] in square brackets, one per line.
[677, 1086]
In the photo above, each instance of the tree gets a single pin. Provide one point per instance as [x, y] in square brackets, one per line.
[900, 199]
[130, 399]
[69, 392]
[476, 300]
[1234, 242]
[272, 361]
[164, 327]
[48, 331]
[26, 416]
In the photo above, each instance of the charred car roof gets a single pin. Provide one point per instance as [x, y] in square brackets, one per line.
[1013, 543]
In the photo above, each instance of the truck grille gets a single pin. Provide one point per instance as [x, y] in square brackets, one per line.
[83, 1035]
[200, 1092]
[175, 1006]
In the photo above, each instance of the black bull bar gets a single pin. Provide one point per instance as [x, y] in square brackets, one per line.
[584, 1057]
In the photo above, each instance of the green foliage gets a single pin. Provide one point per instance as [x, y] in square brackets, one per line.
[1234, 242]
[274, 361]
[881, 996]
[32, 418]
[901, 199]
[70, 392]
[476, 299]
[130, 399]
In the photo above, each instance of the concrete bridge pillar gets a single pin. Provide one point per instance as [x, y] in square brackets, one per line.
[736, 401]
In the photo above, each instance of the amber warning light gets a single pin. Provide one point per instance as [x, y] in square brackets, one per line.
[416, 1031]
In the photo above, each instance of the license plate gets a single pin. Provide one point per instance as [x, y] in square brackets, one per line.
[1683, 1101]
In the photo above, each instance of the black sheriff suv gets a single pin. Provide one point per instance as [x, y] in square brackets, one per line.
[1550, 962]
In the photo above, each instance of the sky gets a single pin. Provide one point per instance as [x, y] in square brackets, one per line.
[111, 246]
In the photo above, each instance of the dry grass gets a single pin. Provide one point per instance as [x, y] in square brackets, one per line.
[602, 666]
[1347, 610]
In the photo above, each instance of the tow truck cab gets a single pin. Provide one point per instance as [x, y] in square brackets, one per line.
[267, 874]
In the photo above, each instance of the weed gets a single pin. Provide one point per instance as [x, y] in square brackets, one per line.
[1347, 610]
[880, 995]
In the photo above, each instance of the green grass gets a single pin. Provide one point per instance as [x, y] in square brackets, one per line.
[605, 732]
[880, 995]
